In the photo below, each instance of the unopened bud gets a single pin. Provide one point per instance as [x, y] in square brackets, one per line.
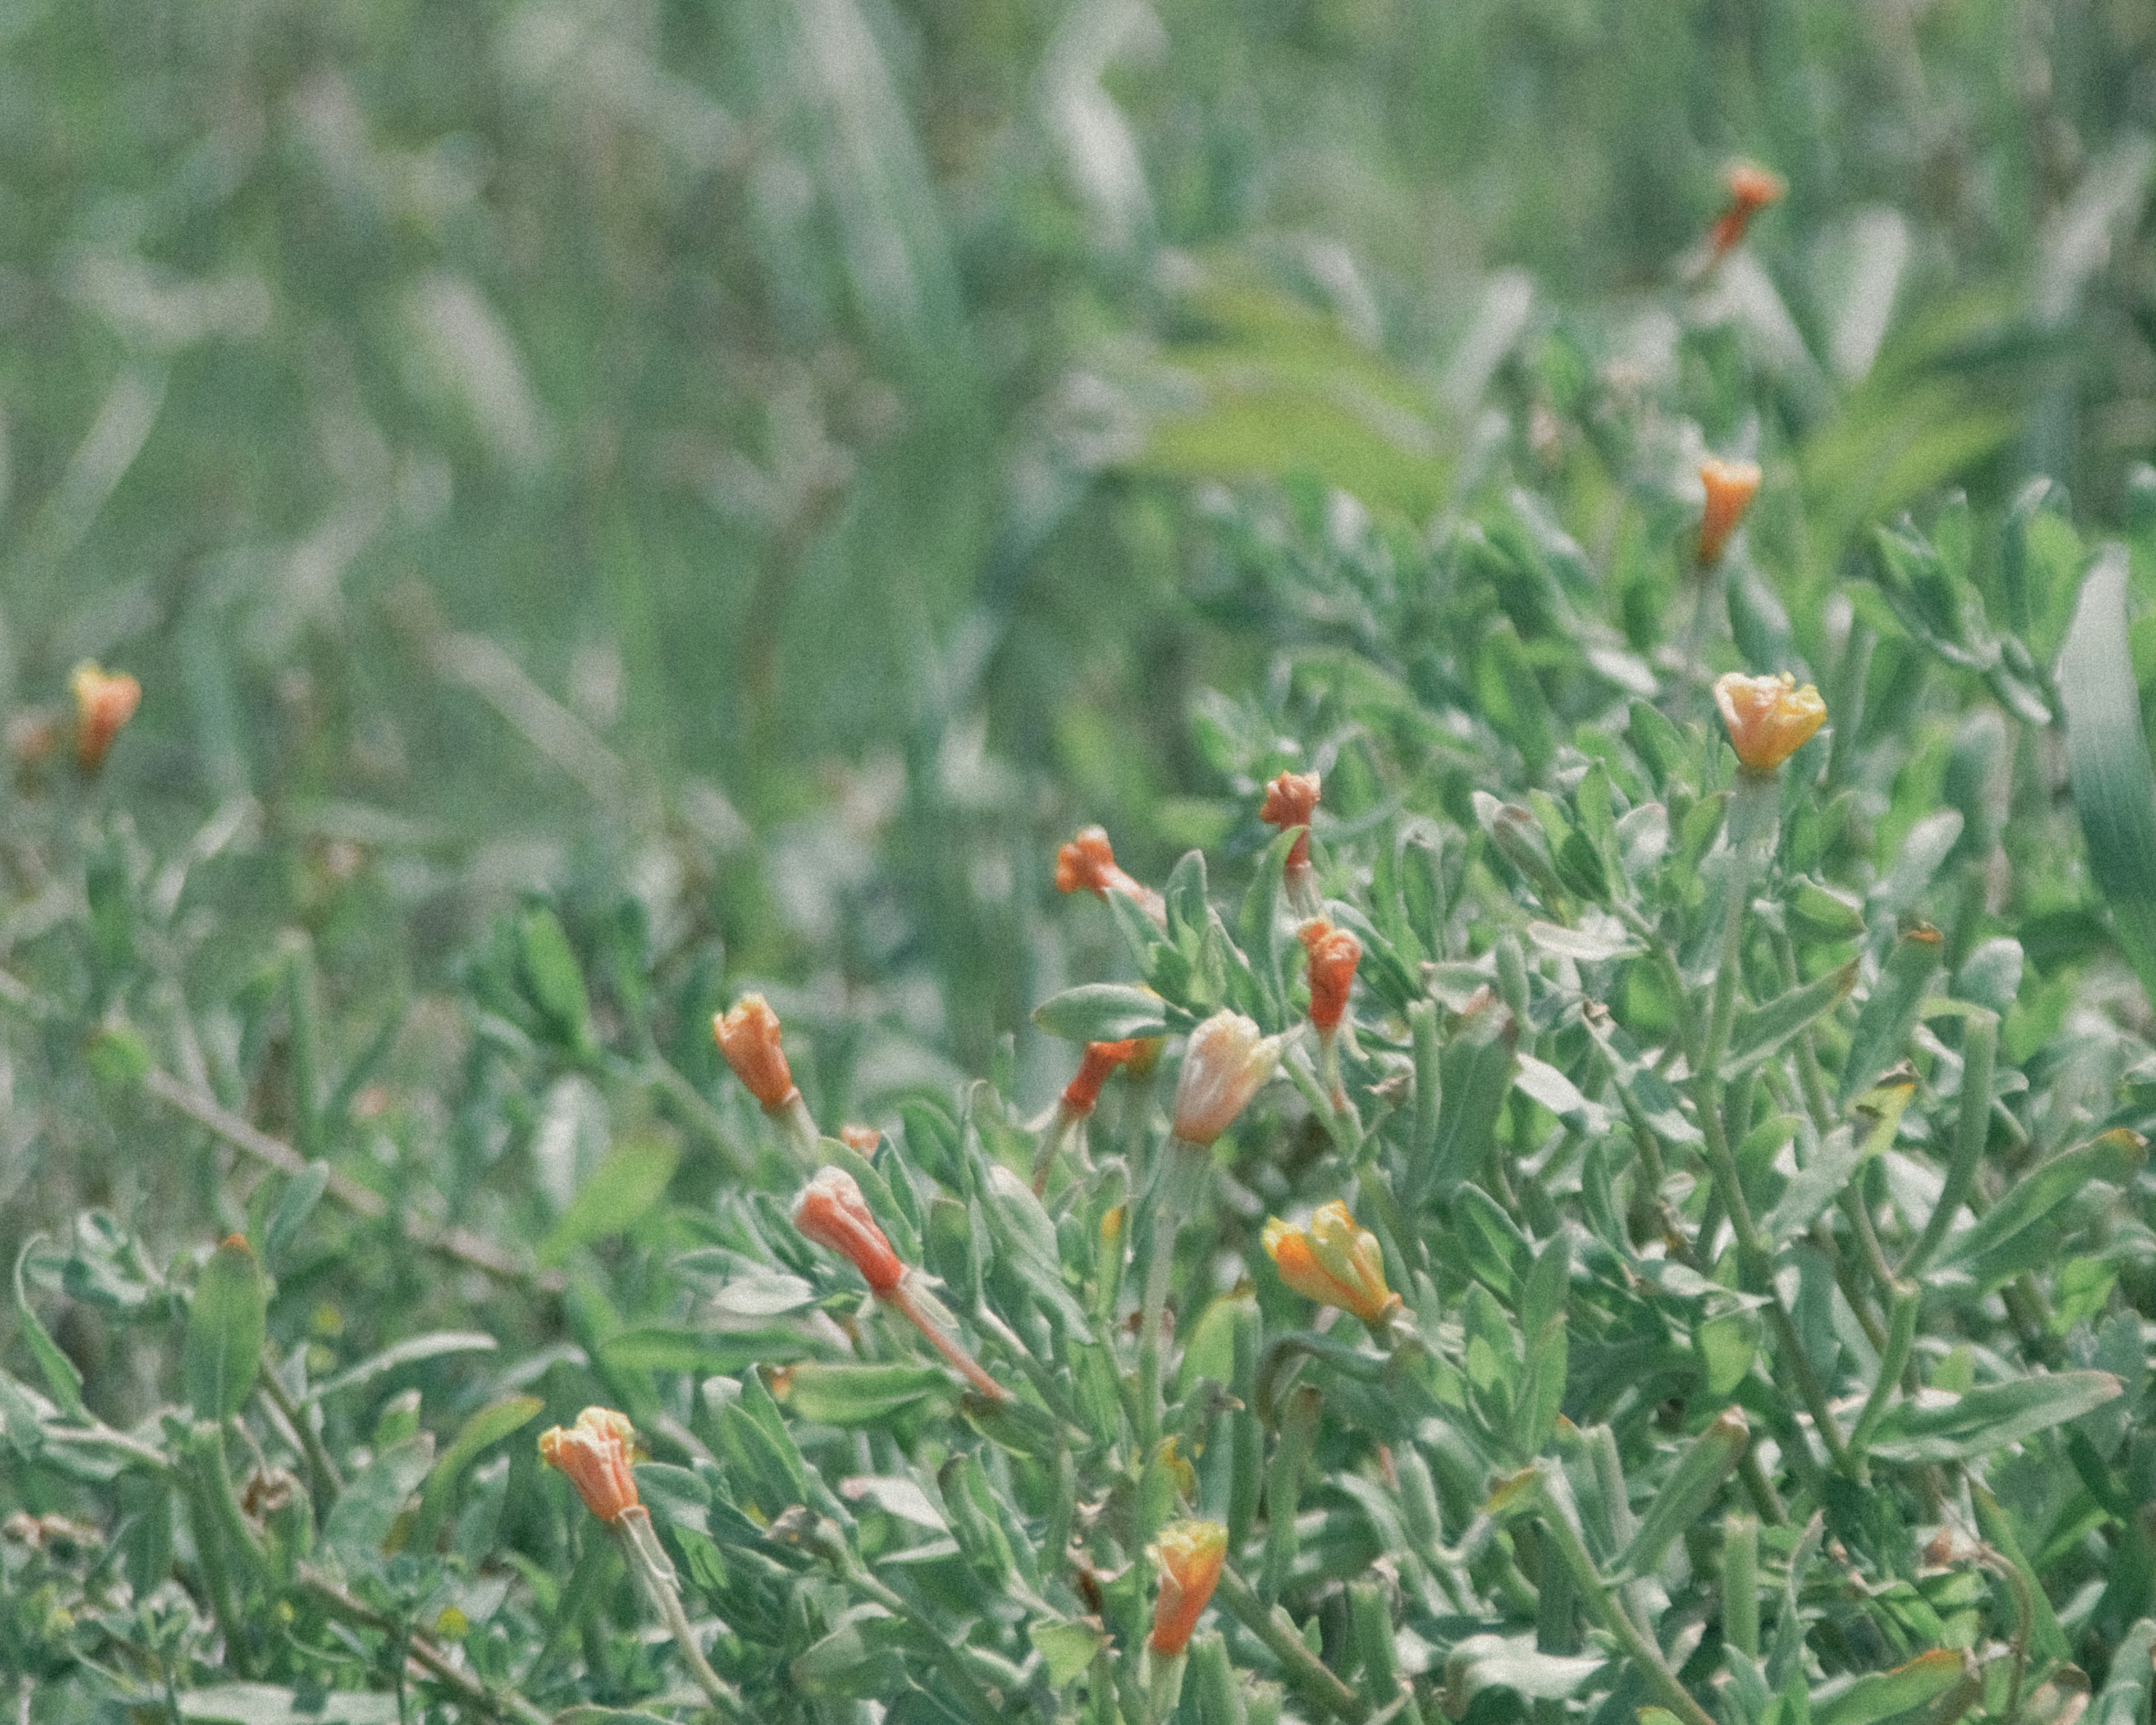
[1190, 1555]
[1225, 1063]
[1094, 1066]
[748, 1037]
[1730, 486]
[104, 702]
[594, 1453]
[1751, 188]
[832, 1213]
[860, 1139]
[1290, 800]
[1334, 953]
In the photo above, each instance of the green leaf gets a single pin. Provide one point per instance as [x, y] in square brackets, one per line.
[631, 1177]
[406, 1352]
[2124, 1700]
[61, 1376]
[1834, 1164]
[842, 1394]
[1102, 1012]
[1475, 1075]
[1067, 1648]
[546, 965]
[269, 1704]
[1991, 1251]
[1880, 1695]
[2108, 758]
[1990, 1416]
[227, 1325]
[293, 1208]
[1889, 1017]
[489, 1426]
[361, 1521]
[1762, 1031]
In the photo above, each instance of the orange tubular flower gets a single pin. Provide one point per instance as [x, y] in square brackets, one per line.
[1094, 1066]
[1333, 1262]
[748, 1037]
[1190, 1555]
[1769, 718]
[1751, 188]
[104, 702]
[1225, 1063]
[594, 1453]
[1290, 800]
[1088, 863]
[1730, 486]
[1334, 953]
[832, 1213]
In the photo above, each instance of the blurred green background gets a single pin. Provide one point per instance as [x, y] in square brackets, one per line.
[740, 456]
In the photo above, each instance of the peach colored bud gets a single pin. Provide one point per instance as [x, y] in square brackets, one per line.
[748, 1037]
[1730, 486]
[1088, 863]
[861, 1139]
[1334, 953]
[1751, 188]
[1225, 1063]
[1289, 801]
[1190, 1555]
[1333, 1262]
[104, 702]
[1769, 718]
[833, 1214]
[1094, 1066]
[594, 1453]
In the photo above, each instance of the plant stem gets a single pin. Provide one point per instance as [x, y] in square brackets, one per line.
[1979, 1048]
[1642, 1651]
[1179, 1166]
[494, 1703]
[1276, 1630]
[639, 1545]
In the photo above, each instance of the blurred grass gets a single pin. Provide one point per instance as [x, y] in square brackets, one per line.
[800, 399]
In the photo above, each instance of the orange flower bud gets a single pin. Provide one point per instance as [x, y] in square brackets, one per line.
[1190, 1555]
[104, 702]
[1730, 486]
[1289, 801]
[1094, 1066]
[1334, 953]
[594, 1453]
[1225, 1063]
[1751, 188]
[1333, 1262]
[748, 1037]
[1769, 718]
[833, 1214]
[862, 1138]
[1088, 862]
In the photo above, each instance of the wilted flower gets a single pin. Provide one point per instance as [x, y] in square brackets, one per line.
[104, 702]
[1088, 863]
[1730, 486]
[1290, 800]
[594, 1453]
[1334, 953]
[1094, 1066]
[1751, 188]
[1190, 1555]
[1769, 718]
[748, 1037]
[1333, 1262]
[832, 1211]
[1224, 1064]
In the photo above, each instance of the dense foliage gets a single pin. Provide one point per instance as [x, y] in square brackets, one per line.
[620, 513]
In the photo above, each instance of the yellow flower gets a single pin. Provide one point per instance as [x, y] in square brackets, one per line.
[1333, 1262]
[1769, 718]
